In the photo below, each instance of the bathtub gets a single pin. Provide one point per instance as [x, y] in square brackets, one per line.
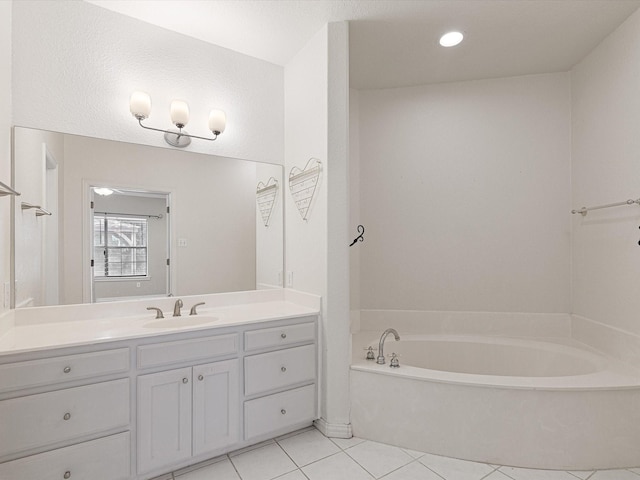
[549, 404]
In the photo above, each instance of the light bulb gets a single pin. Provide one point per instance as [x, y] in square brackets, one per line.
[217, 121]
[179, 113]
[140, 105]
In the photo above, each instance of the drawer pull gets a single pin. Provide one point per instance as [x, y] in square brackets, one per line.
[185, 380]
[283, 335]
[283, 369]
[67, 474]
[283, 411]
[200, 377]
[67, 369]
[67, 416]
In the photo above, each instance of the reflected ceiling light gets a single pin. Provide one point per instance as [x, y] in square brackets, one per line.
[104, 191]
[451, 39]
[140, 107]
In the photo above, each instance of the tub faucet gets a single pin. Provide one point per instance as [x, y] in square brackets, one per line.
[177, 307]
[380, 359]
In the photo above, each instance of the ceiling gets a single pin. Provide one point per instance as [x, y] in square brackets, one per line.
[394, 43]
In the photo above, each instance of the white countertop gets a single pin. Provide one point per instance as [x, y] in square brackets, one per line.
[67, 328]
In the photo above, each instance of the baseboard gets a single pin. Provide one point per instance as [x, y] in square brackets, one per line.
[335, 430]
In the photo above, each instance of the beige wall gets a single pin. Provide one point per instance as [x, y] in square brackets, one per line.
[606, 169]
[464, 192]
[213, 208]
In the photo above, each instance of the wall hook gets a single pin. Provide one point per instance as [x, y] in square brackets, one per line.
[359, 237]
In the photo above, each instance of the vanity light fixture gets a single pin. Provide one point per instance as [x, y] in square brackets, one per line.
[451, 39]
[140, 107]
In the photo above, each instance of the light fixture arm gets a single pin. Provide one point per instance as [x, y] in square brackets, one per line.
[179, 133]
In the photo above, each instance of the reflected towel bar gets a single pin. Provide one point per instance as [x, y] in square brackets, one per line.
[39, 210]
[7, 190]
[583, 211]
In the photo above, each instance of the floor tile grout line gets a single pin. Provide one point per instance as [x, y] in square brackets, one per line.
[320, 459]
[287, 454]
[432, 470]
[234, 466]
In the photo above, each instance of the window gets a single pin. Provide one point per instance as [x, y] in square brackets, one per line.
[119, 246]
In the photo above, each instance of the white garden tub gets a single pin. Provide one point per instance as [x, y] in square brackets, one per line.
[510, 401]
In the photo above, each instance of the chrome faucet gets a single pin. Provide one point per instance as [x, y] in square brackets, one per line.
[177, 307]
[380, 359]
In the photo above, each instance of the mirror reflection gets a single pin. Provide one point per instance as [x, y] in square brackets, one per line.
[175, 222]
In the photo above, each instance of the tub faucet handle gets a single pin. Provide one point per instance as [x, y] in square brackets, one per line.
[370, 354]
[394, 362]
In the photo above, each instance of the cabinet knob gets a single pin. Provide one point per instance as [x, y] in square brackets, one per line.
[283, 335]
[185, 380]
[283, 411]
[67, 474]
[283, 369]
[67, 369]
[200, 377]
[67, 416]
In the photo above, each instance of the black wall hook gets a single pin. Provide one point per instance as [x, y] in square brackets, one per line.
[359, 237]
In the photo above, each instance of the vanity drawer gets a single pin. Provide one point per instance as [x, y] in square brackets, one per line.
[35, 373]
[282, 368]
[39, 420]
[186, 350]
[103, 459]
[274, 413]
[279, 336]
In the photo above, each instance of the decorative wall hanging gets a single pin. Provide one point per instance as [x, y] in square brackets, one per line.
[359, 237]
[266, 198]
[303, 185]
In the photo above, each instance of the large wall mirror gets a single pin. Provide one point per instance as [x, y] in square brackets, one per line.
[101, 220]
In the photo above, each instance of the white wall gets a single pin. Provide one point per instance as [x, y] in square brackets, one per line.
[5, 145]
[31, 279]
[76, 64]
[606, 169]
[465, 189]
[316, 125]
[354, 206]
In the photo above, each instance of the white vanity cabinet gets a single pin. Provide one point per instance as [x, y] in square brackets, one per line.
[279, 379]
[187, 412]
[135, 408]
[60, 414]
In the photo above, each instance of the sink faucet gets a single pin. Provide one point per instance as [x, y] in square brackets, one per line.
[177, 307]
[380, 358]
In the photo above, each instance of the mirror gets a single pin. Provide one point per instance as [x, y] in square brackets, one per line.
[218, 240]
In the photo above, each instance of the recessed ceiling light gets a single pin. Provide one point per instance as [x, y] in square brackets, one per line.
[451, 39]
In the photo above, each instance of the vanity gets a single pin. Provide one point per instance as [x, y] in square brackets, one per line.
[89, 392]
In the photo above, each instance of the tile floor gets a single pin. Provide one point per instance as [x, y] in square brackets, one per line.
[309, 455]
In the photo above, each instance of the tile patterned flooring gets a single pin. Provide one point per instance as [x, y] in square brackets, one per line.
[309, 455]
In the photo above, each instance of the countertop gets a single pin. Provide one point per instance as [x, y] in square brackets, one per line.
[72, 330]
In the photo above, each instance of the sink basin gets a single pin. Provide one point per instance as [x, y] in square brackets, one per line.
[178, 322]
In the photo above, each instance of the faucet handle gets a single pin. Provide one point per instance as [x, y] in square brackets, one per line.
[158, 311]
[394, 362]
[193, 309]
[370, 354]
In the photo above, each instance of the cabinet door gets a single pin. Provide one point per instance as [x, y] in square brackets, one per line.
[216, 412]
[164, 418]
